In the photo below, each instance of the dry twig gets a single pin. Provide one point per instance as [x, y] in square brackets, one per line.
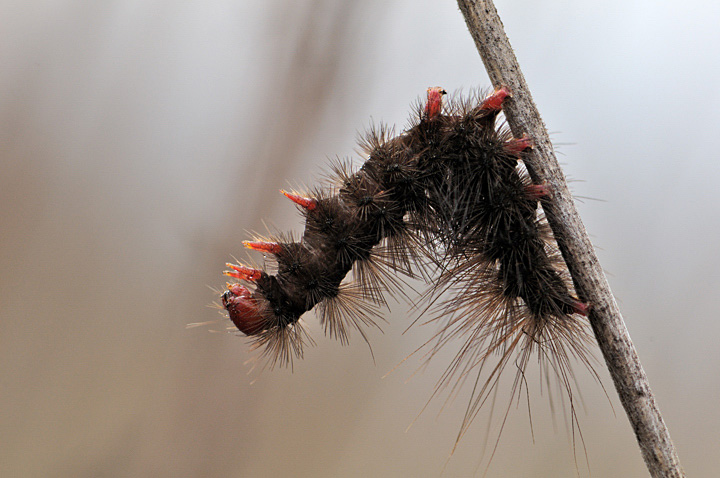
[590, 282]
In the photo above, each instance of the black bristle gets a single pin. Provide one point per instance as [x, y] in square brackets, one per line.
[447, 194]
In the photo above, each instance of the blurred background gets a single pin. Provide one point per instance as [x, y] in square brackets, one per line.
[140, 141]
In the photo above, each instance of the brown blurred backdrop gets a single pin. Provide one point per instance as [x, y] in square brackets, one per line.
[140, 141]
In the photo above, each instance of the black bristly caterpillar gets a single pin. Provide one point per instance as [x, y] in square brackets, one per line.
[449, 195]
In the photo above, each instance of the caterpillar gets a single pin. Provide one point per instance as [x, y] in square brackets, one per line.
[448, 200]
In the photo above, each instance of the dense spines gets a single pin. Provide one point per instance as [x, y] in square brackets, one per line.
[448, 200]
[450, 189]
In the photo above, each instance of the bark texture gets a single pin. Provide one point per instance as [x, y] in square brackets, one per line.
[589, 279]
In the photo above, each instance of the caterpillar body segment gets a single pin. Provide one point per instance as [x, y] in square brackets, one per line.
[449, 194]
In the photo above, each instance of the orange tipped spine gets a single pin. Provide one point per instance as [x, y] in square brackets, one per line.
[495, 101]
[242, 272]
[434, 102]
[262, 246]
[307, 203]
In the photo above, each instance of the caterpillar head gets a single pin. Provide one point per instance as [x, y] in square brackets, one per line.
[243, 309]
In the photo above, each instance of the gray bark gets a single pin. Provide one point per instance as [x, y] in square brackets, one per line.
[589, 279]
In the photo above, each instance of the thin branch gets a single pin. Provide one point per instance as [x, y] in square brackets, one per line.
[589, 279]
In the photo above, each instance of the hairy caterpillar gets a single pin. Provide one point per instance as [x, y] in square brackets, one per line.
[447, 195]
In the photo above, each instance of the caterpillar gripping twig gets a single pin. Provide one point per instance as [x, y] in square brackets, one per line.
[446, 194]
